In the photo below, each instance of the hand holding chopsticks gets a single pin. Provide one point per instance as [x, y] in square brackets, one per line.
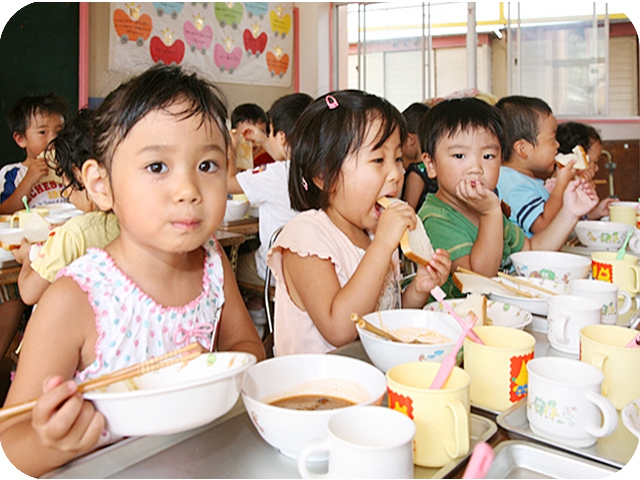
[177, 356]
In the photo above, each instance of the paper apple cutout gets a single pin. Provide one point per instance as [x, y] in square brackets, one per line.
[255, 45]
[280, 23]
[258, 9]
[129, 29]
[166, 54]
[225, 60]
[277, 66]
[172, 8]
[229, 15]
[198, 39]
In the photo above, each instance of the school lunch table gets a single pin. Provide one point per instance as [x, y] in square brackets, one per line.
[230, 447]
[247, 228]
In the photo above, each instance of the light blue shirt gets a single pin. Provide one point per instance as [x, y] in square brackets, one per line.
[525, 196]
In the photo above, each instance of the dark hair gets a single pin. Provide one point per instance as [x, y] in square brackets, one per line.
[413, 114]
[285, 111]
[72, 148]
[324, 137]
[158, 88]
[19, 115]
[448, 117]
[570, 134]
[522, 118]
[248, 112]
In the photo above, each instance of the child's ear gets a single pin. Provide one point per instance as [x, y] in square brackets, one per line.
[96, 181]
[522, 148]
[430, 164]
[319, 182]
[20, 139]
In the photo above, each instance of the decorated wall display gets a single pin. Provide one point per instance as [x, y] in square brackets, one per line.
[248, 43]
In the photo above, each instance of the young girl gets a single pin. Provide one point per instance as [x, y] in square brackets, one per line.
[327, 261]
[160, 146]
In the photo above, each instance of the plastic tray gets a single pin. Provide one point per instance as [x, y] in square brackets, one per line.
[615, 450]
[517, 459]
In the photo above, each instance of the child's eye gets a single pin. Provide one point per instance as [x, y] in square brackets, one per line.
[157, 167]
[399, 159]
[489, 156]
[208, 166]
[459, 156]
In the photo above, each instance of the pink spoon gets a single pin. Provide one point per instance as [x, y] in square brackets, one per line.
[446, 367]
[439, 295]
[480, 461]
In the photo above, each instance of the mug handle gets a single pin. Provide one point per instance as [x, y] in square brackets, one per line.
[459, 445]
[626, 305]
[598, 360]
[609, 416]
[14, 217]
[635, 288]
[317, 445]
[560, 329]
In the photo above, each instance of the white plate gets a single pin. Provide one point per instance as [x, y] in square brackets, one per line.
[537, 306]
[502, 314]
[631, 416]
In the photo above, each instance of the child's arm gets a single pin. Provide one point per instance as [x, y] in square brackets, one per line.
[578, 200]
[413, 190]
[427, 278]
[602, 209]
[37, 169]
[554, 203]
[59, 339]
[31, 284]
[237, 331]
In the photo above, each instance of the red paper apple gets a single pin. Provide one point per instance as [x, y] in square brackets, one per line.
[133, 29]
[255, 45]
[167, 54]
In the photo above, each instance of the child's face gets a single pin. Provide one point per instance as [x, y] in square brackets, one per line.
[42, 129]
[542, 157]
[366, 176]
[169, 182]
[594, 153]
[472, 154]
[278, 144]
[241, 126]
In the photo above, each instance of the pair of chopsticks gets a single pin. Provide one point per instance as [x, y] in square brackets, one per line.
[527, 284]
[362, 323]
[513, 290]
[184, 354]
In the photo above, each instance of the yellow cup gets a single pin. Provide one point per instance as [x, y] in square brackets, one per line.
[23, 217]
[498, 369]
[603, 346]
[623, 214]
[442, 416]
[624, 273]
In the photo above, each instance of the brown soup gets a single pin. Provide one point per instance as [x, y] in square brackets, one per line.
[312, 402]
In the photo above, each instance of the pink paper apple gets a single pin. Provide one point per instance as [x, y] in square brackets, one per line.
[226, 60]
[254, 45]
[201, 39]
[167, 54]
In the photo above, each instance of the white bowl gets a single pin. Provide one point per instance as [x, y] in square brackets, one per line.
[538, 305]
[236, 210]
[548, 265]
[385, 354]
[175, 398]
[603, 235]
[289, 430]
[501, 314]
[631, 416]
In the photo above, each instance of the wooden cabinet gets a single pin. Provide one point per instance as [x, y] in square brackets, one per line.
[626, 176]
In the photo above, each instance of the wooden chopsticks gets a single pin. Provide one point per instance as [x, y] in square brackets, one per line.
[176, 356]
[527, 284]
[502, 285]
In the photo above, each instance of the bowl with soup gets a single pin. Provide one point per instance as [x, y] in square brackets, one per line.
[427, 337]
[290, 399]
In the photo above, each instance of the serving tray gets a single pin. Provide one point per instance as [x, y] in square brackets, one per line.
[518, 459]
[615, 450]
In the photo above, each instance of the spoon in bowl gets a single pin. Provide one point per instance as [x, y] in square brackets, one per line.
[623, 248]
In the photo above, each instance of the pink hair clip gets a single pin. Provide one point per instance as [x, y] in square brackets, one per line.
[331, 102]
[304, 184]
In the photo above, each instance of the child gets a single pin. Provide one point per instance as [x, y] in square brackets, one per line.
[34, 122]
[266, 187]
[160, 144]
[569, 135]
[327, 261]
[416, 181]
[251, 114]
[462, 142]
[529, 159]
[69, 241]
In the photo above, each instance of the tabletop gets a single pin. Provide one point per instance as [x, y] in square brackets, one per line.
[246, 226]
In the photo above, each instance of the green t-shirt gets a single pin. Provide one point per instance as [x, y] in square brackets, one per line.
[449, 229]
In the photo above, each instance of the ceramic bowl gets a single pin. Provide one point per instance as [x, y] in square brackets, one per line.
[631, 416]
[502, 314]
[289, 430]
[602, 235]
[175, 398]
[385, 354]
[551, 265]
[236, 210]
[538, 305]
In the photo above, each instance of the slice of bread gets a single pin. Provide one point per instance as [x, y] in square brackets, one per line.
[470, 283]
[475, 303]
[415, 244]
[582, 159]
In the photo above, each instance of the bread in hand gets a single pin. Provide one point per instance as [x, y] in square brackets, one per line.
[415, 244]
[476, 303]
[581, 157]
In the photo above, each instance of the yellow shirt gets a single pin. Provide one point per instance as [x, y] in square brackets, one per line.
[71, 240]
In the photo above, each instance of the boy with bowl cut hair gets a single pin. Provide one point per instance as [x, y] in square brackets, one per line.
[462, 141]
[529, 159]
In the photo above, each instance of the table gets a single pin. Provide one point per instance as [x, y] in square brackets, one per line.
[247, 226]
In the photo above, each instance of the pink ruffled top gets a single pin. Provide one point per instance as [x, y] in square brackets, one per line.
[132, 327]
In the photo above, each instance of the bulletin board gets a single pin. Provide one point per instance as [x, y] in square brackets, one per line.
[230, 42]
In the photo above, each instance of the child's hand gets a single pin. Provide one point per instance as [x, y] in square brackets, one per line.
[602, 209]
[564, 174]
[254, 134]
[394, 221]
[579, 198]
[477, 197]
[434, 274]
[37, 169]
[22, 253]
[63, 420]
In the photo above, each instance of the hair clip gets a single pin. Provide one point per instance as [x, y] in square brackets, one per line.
[304, 184]
[331, 102]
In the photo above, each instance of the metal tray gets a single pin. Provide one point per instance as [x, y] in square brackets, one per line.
[517, 459]
[615, 450]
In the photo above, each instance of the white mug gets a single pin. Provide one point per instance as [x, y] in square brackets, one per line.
[364, 442]
[566, 315]
[604, 292]
[564, 403]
